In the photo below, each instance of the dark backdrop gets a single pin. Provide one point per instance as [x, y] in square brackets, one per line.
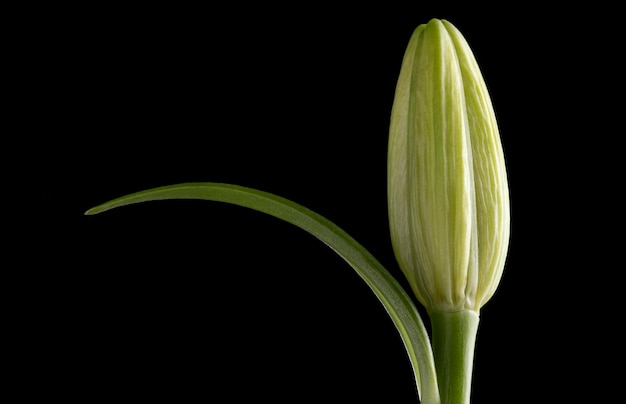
[190, 298]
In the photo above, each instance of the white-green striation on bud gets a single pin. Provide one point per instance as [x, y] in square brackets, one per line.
[447, 185]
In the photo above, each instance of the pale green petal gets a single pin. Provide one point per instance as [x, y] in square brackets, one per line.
[490, 179]
[397, 168]
[440, 163]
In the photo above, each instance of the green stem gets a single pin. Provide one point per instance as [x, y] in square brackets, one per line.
[454, 339]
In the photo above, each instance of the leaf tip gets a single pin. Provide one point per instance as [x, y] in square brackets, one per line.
[94, 211]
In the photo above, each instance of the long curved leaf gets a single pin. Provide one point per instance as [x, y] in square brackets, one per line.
[396, 301]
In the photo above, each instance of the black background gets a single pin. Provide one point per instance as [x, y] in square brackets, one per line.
[190, 298]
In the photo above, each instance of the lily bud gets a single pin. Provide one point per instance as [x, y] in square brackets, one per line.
[447, 185]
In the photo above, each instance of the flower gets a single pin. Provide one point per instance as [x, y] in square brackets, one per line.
[447, 185]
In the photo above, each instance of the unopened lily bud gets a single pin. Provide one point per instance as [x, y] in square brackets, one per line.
[447, 184]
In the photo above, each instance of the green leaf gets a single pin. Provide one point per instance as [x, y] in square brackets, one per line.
[395, 300]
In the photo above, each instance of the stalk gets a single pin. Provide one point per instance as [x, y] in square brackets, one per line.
[454, 340]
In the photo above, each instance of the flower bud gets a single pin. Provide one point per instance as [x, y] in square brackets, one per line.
[447, 186]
